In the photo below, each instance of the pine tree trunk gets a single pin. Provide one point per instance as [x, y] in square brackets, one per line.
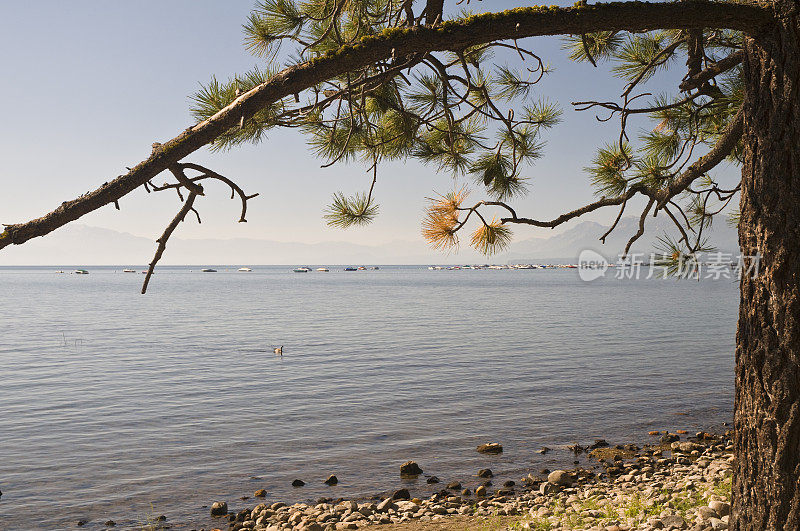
[766, 485]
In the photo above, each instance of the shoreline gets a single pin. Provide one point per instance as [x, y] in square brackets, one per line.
[681, 482]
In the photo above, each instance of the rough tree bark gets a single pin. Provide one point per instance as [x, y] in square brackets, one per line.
[766, 489]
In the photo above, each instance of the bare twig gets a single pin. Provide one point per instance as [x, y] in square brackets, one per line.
[162, 241]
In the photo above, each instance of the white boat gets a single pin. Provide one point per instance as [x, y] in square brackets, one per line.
[301, 270]
[129, 271]
[244, 269]
[81, 272]
[323, 269]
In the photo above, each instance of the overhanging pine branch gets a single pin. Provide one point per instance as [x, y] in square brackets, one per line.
[451, 35]
[700, 167]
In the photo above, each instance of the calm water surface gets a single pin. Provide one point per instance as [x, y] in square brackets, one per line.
[115, 405]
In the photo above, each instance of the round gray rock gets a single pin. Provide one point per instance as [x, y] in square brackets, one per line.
[219, 508]
[560, 477]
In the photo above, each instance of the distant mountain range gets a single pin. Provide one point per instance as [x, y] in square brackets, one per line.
[78, 244]
[586, 234]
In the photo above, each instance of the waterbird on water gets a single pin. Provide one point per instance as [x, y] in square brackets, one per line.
[279, 350]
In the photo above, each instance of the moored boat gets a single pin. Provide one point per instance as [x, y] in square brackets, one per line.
[81, 272]
[208, 270]
[301, 270]
[244, 269]
[323, 269]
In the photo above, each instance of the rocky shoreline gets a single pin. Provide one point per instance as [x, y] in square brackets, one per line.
[680, 482]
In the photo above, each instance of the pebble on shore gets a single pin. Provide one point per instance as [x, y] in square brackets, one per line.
[688, 488]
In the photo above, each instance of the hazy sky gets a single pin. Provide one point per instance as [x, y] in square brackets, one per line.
[89, 85]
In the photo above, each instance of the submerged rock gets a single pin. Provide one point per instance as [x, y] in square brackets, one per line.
[576, 448]
[260, 493]
[410, 468]
[480, 491]
[432, 480]
[491, 448]
[219, 508]
[454, 485]
[298, 483]
[485, 473]
[332, 480]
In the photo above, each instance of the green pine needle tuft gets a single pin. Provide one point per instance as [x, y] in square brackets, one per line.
[345, 212]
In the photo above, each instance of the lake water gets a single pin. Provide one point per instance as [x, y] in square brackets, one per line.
[120, 406]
